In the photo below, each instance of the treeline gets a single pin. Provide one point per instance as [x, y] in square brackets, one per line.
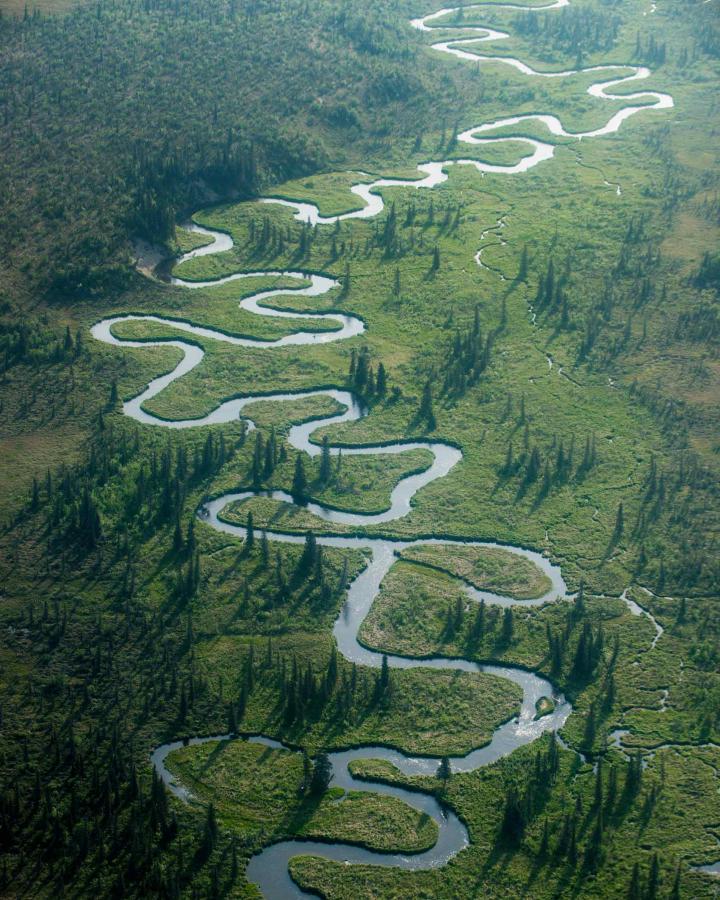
[706, 26]
[574, 30]
[669, 554]
[708, 275]
[78, 796]
[700, 325]
[641, 309]
[615, 320]
[464, 359]
[582, 835]
[364, 379]
[650, 50]
[372, 31]
[148, 491]
[467, 357]
[398, 235]
[309, 582]
[161, 182]
[549, 467]
[95, 154]
[33, 343]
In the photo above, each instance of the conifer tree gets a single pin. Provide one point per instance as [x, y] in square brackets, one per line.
[382, 684]
[444, 770]
[426, 413]
[232, 719]
[249, 533]
[523, 268]
[299, 484]
[381, 383]
[258, 461]
[309, 555]
[507, 626]
[478, 629]
[321, 775]
[435, 264]
[513, 822]
[325, 461]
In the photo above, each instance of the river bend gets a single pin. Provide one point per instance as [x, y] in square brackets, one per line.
[269, 868]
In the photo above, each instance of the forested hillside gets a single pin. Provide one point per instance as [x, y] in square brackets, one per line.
[117, 116]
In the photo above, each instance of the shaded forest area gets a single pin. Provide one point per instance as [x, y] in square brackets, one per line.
[119, 115]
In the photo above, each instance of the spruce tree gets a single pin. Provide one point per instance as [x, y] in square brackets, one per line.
[321, 775]
[426, 413]
[309, 555]
[435, 265]
[523, 269]
[513, 822]
[299, 490]
[325, 461]
[381, 383]
[478, 628]
[232, 719]
[249, 533]
[444, 770]
[382, 684]
[507, 626]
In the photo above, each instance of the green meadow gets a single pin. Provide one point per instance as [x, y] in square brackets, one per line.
[589, 434]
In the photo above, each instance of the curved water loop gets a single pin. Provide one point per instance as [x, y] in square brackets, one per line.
[269, 868]
[539, 151]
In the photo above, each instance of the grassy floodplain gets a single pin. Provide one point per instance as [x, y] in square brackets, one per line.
[127, 622]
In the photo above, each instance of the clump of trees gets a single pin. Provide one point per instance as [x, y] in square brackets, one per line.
[467, 357]
[576, 31]
[368, 382]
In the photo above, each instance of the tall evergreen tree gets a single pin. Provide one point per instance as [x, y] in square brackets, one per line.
[299, 484]
[321, 775]
[325, 461]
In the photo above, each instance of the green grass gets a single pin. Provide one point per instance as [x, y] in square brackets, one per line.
[486, 568]
[119, 645]
[258, 794]
[426, 712]
[490, 868]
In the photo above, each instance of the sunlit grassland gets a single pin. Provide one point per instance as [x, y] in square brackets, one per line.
[259, 792]
[425, 712]
[676, 829]
[536, 392]
[421, 315]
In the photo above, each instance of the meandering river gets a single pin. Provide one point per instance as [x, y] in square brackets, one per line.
[269, 868]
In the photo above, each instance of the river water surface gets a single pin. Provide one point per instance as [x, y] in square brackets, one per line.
[269, 868]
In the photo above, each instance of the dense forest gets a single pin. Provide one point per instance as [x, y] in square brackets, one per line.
[208, 100]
